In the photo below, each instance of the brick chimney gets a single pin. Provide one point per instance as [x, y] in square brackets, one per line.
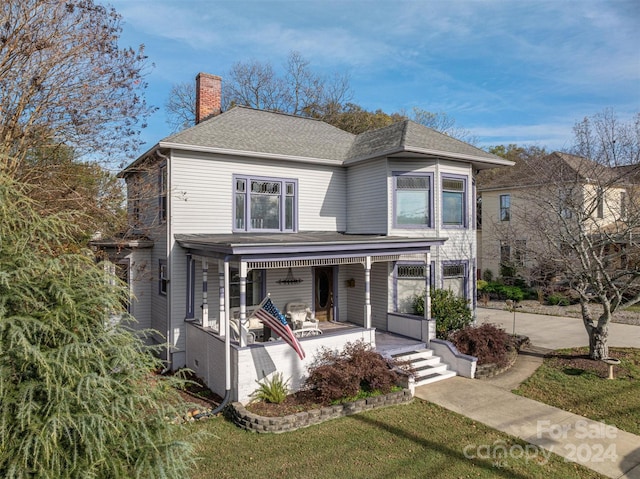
[208, 92]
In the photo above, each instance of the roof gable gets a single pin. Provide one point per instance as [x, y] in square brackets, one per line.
[250, 130]
[409, 136]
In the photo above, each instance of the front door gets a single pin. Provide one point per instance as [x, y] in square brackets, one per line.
[323, 279]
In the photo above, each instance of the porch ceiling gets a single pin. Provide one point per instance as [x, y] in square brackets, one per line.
[304, 246]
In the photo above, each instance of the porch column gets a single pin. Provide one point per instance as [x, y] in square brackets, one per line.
[227, 311]
[205, 305]
[221, 309]
[367, 292]
[427, 286]
[243, 304]
[431, 323]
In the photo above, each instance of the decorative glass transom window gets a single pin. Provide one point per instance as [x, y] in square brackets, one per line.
[264, 204]
[412, 201]
[453, 201]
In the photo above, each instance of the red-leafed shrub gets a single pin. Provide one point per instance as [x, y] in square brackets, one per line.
[337, 375]
[488, 343]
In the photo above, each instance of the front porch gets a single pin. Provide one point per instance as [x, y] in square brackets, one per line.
[345, 283]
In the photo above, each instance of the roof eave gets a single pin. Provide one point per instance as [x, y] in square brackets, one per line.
[477, 161]
[252, 154]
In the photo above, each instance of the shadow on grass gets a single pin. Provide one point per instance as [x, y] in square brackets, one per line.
[449, 452]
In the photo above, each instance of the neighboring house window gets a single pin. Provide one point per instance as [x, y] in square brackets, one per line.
[410, 283]
[623, 205]
[264, 204]
[600, 205]
[505, 252]
[453, 201]
[162, 194]
[519, 252]
[163, 278]
[255, 287]
[505, 207]
[565, 204]
[454, 278]
[412, 200]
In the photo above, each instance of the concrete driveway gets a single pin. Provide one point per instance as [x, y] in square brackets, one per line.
[555, 332]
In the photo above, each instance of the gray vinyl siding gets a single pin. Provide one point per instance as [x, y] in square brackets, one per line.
[379, 293]
[367, 198]
[202, 192]
[355, 301]
[141, 287]
[281, 293]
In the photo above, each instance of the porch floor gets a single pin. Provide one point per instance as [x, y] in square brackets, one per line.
[388, 344]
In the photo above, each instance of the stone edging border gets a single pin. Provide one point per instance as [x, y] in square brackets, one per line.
[485, 371]
[248, 421]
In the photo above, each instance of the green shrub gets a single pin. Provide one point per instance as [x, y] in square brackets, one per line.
[272, 390]
[558, 299]
[481, 285]
[337, 375]
[487, 275]
[502, 291]
[488, 343]
[450, 312]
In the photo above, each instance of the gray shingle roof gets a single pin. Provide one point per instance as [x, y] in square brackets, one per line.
[259, 133]
[247, 129]
[555, 167]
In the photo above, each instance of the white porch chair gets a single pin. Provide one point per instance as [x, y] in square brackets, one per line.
[302, 319]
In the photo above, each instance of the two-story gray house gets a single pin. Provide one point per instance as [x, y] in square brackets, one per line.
[342, 231]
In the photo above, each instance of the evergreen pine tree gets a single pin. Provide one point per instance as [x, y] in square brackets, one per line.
[77, 397]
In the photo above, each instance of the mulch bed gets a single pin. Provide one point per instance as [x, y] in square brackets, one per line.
[293, 403]
[576, 363]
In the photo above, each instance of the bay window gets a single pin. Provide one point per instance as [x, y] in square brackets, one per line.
[412, 201]
[454, 191]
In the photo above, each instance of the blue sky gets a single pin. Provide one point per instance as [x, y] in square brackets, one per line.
[508, 71]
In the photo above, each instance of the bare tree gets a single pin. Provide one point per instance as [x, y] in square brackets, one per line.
[579, 220]
[64, 80]
[443, 123]
[606, 139]
[254, 84]
[298, 91]
[180, 107]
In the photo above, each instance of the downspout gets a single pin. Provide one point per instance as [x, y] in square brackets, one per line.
[227, 349]
[168, 318]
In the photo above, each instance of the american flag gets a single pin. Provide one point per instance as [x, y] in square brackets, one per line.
[273, 318]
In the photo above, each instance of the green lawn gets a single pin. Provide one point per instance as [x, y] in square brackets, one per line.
[417, 440]
[635, 308]
[585, 391]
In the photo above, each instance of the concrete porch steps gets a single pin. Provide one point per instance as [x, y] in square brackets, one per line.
[426, 367]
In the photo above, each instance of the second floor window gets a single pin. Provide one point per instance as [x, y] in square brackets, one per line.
[453, 201]
[505, 207]
[162, 194]
[412, 201]
[264, 204]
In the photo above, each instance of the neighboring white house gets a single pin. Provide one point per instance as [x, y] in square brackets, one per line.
[250, 203]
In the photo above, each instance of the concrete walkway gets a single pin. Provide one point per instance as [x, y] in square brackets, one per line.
[602, 448]
[555, 332]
